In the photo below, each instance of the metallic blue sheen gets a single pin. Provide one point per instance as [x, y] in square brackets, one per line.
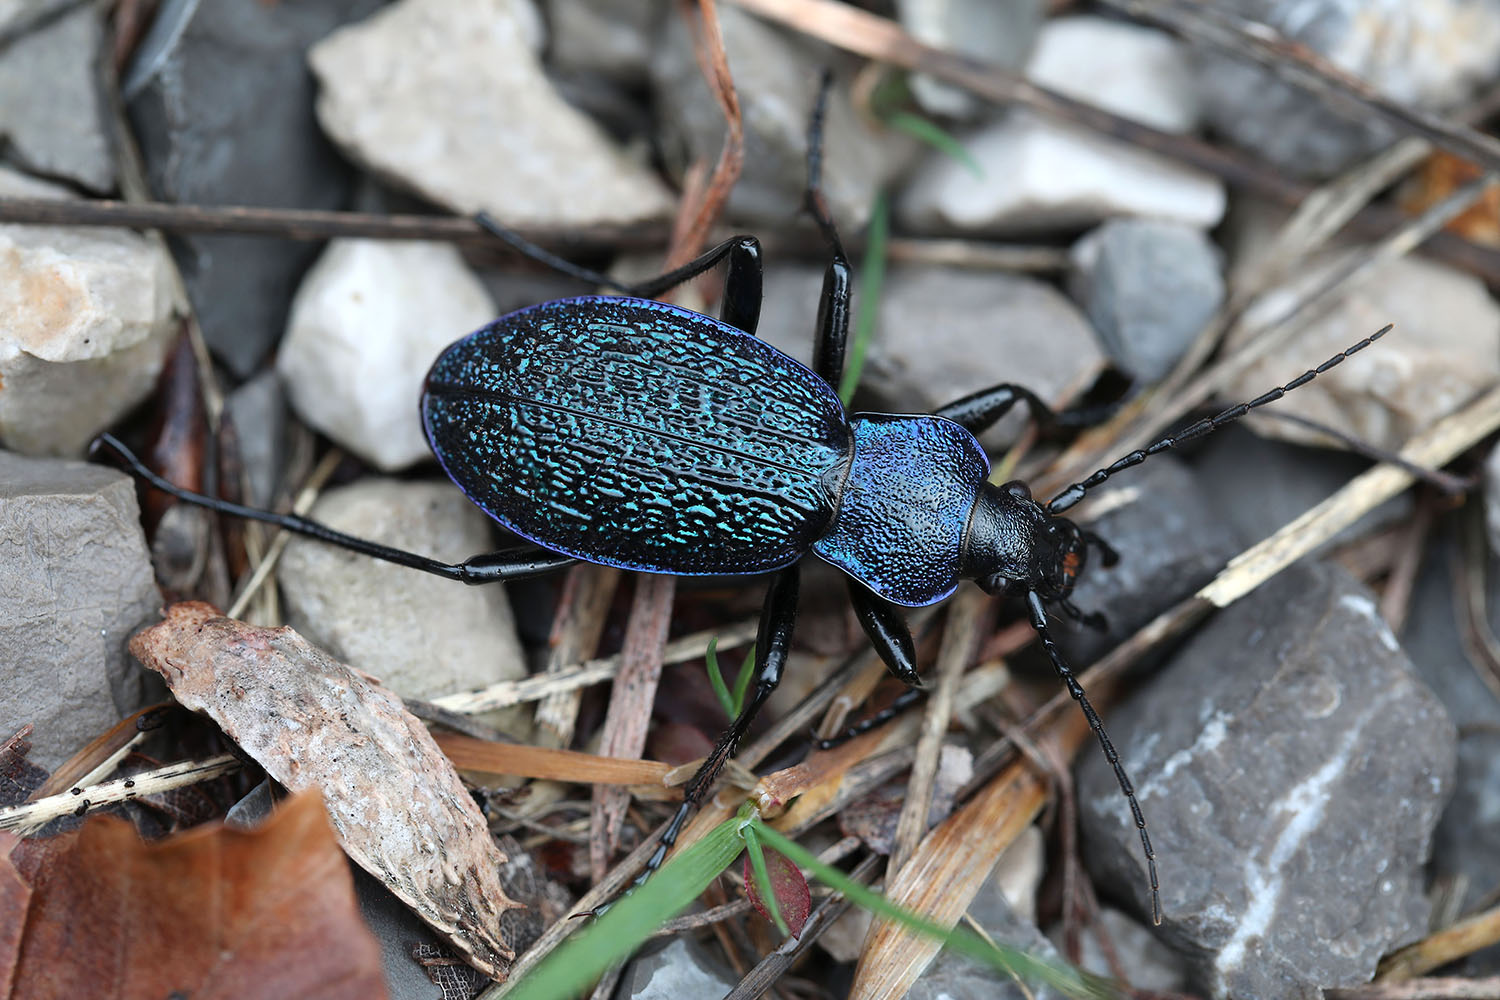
[904, 507]
[641, 435]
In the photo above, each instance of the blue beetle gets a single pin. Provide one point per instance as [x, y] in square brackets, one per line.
[633, 433]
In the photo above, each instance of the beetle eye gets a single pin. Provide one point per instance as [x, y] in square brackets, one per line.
[1016, 488]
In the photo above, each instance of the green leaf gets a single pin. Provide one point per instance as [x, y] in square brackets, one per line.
[1012, 961]
[731, 703]
[871, 278]
[716, 679]
[742, 682]
[765, 889]
[929, 132]
[583, 958]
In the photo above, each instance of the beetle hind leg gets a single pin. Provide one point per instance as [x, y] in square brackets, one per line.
[773, 641]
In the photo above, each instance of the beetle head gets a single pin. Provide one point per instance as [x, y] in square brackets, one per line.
[1013, 544]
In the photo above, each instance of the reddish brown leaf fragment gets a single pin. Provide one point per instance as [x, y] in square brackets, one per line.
[15, 898]
[211, 913]
[792, 894]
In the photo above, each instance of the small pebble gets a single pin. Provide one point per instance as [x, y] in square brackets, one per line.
[367, 323]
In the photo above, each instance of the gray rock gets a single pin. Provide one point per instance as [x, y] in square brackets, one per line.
[52, 116]
[944, 333]
[1001, 34]
[1259, 485]
[1445, 349]
[611, 38]
[77, 583]
[1171, 541]
[1466, 846]
[87, 316]
[402, 936]
[1038, 175]
[19, 16]
[221, 100]
[448, 99]
[953, 976]
[682, 969]
[1150, 966]
[776, 76]
[1428, 53]
[368, 321]
[1149, 287]
[1292, 769]
[423, 636]
[257, 410]
[1054, 177]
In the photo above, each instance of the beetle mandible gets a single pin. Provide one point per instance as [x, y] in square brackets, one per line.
[632, 433]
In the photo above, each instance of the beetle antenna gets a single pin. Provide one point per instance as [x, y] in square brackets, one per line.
[1039, 624]
[1076, 492]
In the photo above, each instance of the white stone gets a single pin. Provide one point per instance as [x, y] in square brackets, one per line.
[422, 635]
[1001, 34]
[1041, 175]
[1135, 72]
[447, 98]
[1444, 349]
[366, 324]
[86, 318]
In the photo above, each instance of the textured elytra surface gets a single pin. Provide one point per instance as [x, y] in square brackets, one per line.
[905, 505]
[638, 434]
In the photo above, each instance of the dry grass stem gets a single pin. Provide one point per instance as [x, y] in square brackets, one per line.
[30, 817]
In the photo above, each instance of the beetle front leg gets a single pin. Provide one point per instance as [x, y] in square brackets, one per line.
[888, 633]
[778, 617]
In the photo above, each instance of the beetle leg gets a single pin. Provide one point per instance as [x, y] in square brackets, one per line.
[507, 564]
[979, 411]
[741, 289]
[778, 616]
[888, 633]
[1039, 623]
[832, 334]
[903, 701]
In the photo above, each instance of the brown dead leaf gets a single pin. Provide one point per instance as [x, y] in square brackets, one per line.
[214, 912]
[396, 803]
[1439, 176]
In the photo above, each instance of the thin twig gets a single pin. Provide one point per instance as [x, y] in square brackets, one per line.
[1436, 950]
[1434, 988]
[32, 816]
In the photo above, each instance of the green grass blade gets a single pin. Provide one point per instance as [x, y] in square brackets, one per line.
[583, 958]
[929, 132]
[1069, 980]
[742, 683]
[871, 278]
[716, 679]
[763, 879]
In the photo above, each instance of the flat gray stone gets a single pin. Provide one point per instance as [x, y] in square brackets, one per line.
[368, 321]
[1292, 770]
[776, 76]
[422, 635]
[448, 99]
[1148, 287]
[77, 583]
[1000, 34]
[1171, 539]
[1426, 53]
[52, 114]
[682, 969]
[222, 103]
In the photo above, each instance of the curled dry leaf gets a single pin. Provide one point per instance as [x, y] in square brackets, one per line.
[396, 803]
[214, 912]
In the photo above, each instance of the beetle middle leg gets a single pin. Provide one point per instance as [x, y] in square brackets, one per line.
[979, 411]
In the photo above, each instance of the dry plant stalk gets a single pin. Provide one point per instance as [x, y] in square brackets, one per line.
[942, 878]
[524, 761]
[396, 803]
